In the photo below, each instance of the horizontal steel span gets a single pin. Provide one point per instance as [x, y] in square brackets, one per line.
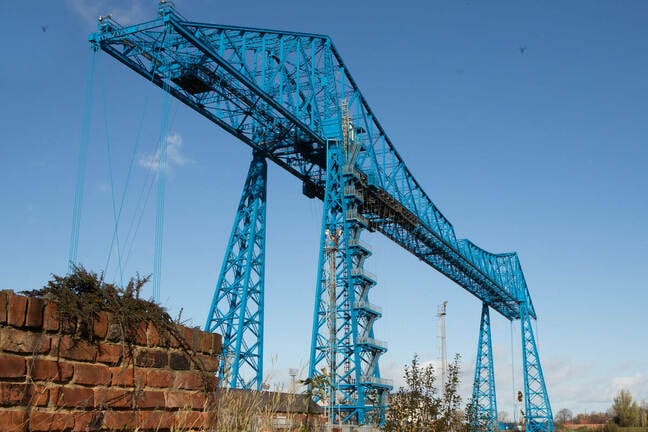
[281, 93]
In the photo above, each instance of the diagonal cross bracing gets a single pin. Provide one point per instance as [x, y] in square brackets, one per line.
[236, 311]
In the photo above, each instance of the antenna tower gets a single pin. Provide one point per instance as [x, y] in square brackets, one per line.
[441, 314]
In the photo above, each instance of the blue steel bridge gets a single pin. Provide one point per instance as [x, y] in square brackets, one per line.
[291, 98]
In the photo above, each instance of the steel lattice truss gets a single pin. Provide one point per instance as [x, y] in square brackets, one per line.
[343, 347]
[536, 401]
[485, 414]
[237, 308]
[281, 93]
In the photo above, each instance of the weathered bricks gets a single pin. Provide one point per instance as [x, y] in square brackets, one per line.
[179, 361]
[152, 335]
[76, 397]
[100, 325]
[77, 349]
[113, 398]
[119, 420]
[205, 342]
[152, 358]
[50, 421]
[150, 399]
[13, 420]
[159, 378]
[12, 394]
[3, 306]
[183, 399]
[188, 380]
[12, 366]
[155, 420]
[43, 369]
[198, 400]
[109, 353]
[206, 362]
[88, 421]
[190, 336]
[128, 377]
[34, 316]
[16, 310]
[52, 379]
[51, 318]
[92, 374]
[39, 394]
[22, 394]
[122, 376]
[23, 342]
[140, 334]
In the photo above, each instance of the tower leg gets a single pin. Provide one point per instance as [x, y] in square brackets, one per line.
[536, 401]
[344, 353]
[237, 307]
[484, 416]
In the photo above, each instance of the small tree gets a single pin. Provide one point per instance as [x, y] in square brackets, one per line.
[626, 412]
[418, 407]
[451, 416]
[564, 416]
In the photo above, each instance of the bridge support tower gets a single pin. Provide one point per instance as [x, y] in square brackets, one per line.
[537, 410]
[343, 348]
[484, 403]
[236, 311]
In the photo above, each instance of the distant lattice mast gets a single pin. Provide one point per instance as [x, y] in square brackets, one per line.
[441, 315]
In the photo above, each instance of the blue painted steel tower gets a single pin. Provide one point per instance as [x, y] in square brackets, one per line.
[537, 409]
[237, 308]
[484, 403]
[343, 347]
[291, 98]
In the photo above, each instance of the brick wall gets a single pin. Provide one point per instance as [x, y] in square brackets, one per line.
[51, 380]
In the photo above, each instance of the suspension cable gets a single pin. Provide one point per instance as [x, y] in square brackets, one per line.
[513, 376]
[136, 222]
[161, 183]
[115, 237]
[161, 187]
[81, 165]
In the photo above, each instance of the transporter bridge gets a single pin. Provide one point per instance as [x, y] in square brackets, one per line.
[291, 98]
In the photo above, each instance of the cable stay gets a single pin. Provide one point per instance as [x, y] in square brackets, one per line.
[161, 189]
[115, 236]
[122, 249]
[82, 164]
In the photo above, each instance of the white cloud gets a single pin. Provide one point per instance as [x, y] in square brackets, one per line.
[636, 384]
[174, 156]
[124, 12]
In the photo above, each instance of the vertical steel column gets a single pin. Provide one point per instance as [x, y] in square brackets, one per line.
[343, 349]
[537, 410]
[237, 307]
[484, 402]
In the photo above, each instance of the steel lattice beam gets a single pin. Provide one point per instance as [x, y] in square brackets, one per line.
[280, 92]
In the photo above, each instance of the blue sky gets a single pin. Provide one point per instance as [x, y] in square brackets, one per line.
[543, 152]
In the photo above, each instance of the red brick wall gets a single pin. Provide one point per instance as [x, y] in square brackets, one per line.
[51, 380]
